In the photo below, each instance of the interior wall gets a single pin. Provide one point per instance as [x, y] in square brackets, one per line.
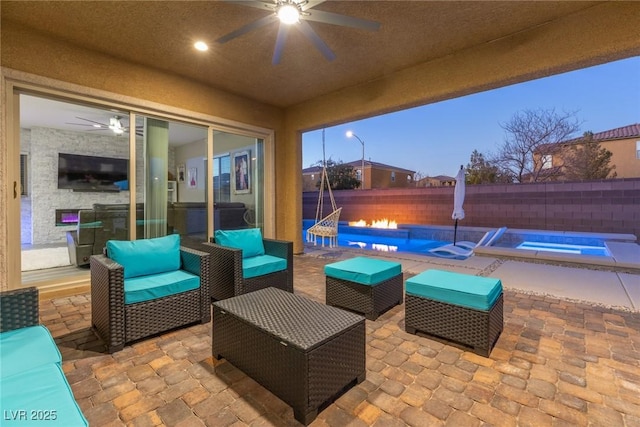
[44, 144]
[192, 156]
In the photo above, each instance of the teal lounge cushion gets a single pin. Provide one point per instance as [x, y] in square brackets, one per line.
[363, 270]
[146, 256]
[261, 265]
[26, 348]
[39, 397]
[249, 240]
[465, 290]
[150, 287]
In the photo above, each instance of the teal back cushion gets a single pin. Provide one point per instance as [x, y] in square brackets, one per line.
[249, 240]
[146, 256]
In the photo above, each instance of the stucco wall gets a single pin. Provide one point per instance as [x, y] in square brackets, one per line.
[611, 206]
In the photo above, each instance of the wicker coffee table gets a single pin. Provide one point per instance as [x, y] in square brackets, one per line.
[304, 352]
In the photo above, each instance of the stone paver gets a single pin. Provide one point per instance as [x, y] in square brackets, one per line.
[556, 363]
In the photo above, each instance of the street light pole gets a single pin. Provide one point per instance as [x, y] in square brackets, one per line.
[349, 135]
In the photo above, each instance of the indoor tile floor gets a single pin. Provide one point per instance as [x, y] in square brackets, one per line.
[557, 363]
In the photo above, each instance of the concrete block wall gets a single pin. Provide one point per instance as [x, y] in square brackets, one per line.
[606, 206]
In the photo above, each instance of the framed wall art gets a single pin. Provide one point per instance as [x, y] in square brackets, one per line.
[242, 170]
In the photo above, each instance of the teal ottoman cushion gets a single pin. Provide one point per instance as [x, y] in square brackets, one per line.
[146, 288]
[261, 265]
[363, 270]
[465, 290]
[26, 348]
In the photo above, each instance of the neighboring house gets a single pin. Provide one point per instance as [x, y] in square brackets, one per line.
[437, 181]
[622, 142]
[310, 178]
[376, 175]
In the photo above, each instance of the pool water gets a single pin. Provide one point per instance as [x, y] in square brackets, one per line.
[565, 248]
[419, 240]
[384, 243]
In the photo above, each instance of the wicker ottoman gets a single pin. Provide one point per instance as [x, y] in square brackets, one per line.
[364, 285]
[304, 352]
[459, 308]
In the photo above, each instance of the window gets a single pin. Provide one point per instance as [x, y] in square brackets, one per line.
[359, 175]
[393, 177]
[638, 150]
[222, 178]
[409, 178]
[547, 161]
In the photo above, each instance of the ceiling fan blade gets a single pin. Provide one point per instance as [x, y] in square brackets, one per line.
[84, 124]
[316, 40]
[92, 121]
[254, 3]
[283, 32]
[342, 20]
[310, 4]
[249, 27]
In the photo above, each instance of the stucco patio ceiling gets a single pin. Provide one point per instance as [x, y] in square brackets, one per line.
[161, 34]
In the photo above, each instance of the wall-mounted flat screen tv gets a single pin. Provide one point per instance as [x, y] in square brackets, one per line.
[92, 173]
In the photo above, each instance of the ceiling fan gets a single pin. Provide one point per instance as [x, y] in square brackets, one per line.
[296, 13]
[115, 125]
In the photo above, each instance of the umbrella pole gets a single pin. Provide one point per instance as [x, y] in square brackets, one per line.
[455, 231]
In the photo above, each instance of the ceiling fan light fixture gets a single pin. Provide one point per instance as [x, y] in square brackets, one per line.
[116, 126]
[288, 13]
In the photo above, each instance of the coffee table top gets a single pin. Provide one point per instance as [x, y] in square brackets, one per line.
[296, 320]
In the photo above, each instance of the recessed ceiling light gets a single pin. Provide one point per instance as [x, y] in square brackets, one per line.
[201, 46]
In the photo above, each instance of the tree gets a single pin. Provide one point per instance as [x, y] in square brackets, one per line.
[483, 171]
[588, 160]
[341, 176]
[531, 137]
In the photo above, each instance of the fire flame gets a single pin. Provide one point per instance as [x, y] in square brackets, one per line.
[382, 223]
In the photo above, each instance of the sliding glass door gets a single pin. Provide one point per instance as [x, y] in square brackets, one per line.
[238, 181]
[171, 179]
[90, 173]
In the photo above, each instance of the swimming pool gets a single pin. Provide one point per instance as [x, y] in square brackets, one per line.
[419, 239]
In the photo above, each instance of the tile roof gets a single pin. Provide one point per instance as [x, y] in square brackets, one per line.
[624, 132]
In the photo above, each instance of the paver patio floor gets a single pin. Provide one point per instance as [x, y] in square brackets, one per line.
[557, 363]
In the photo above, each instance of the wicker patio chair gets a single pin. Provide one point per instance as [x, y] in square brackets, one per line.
[118, 323]
[227, 279]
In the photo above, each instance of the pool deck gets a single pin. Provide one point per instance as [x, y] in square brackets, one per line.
[613, 284]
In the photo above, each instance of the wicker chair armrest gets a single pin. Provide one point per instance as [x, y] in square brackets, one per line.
[107, 300]
[191, 260]
[19, 309]
[199, 263]
[226, 264]
[278, 248]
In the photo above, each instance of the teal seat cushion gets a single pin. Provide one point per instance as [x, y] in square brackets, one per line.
[261, 265]
[26, 348]
[465, 290]
[249, 240]
[39, 397]
[146, 256]
[150, 287]
[363, 270]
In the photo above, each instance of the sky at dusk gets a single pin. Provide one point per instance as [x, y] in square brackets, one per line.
[436, 139]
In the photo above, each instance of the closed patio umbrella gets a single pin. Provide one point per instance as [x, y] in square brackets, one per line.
[458, 200]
